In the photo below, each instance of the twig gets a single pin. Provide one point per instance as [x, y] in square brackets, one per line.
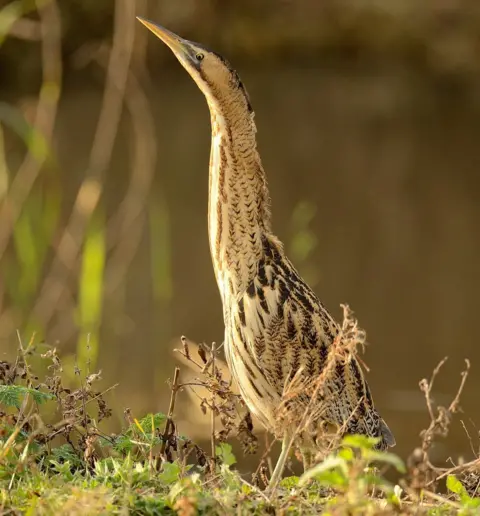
[456, 469]
[100, 394]
[426, 386]
[469, 437]
[219, 398]
[212, 408]
[171, 408]
[27, 374]
[186, 351]
[189, 358]
[456, 401]
[441, 499]
[258, 491]
[265, 457]
[439, 423]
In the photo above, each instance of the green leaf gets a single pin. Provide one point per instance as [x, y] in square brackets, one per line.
[386, 458]
[158, 420]
[360, 441]
[123, 444]
[289, 482]
[346, 454]
[224, 451]
[63, 469]
[333, 478]
[472, 503]
[65, 453]
[455, 486]
[247, 489]
[329, 464]
[11, 395]
[170, 473]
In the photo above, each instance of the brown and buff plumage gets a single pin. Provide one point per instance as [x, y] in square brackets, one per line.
[275, 326]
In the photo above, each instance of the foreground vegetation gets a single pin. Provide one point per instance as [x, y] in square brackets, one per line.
[55, 459]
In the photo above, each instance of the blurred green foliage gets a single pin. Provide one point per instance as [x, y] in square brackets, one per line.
[32, 234]
[90, 299]
[304, 240]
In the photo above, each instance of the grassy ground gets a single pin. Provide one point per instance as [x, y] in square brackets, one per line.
[55, 459]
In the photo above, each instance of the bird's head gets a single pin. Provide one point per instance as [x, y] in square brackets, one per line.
[212, 73]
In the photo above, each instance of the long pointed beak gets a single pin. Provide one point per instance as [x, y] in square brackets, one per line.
[176, 43]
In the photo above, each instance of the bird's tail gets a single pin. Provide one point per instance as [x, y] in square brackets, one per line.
[373, 425]
[388, 440]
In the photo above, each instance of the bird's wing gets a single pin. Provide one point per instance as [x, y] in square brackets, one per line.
[288, 331]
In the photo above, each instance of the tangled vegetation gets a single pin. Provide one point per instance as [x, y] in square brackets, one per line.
[55, 459]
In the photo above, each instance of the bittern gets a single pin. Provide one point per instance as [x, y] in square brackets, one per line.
[275, 326]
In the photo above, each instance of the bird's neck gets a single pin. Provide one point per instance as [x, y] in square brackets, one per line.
[239, 216]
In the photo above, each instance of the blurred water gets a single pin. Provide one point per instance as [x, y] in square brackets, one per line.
[390, 162]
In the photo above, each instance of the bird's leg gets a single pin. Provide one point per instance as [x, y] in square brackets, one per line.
[280, 466]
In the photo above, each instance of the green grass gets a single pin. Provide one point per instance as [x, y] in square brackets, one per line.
[59, 482]
[55, 459]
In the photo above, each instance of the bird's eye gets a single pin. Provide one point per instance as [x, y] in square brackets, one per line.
[199, 57]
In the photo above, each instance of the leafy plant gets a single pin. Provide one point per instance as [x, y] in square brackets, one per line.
[353, 471]
[149, 468]
[13, 395]
[224, 453]
[143, 434]
[470, 505]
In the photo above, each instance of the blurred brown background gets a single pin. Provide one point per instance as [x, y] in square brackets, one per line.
[369, 128]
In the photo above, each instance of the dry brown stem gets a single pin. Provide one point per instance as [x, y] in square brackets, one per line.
[89, 193]
[169, 425]
[212, 406]
[423, 473]
[221, 402]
